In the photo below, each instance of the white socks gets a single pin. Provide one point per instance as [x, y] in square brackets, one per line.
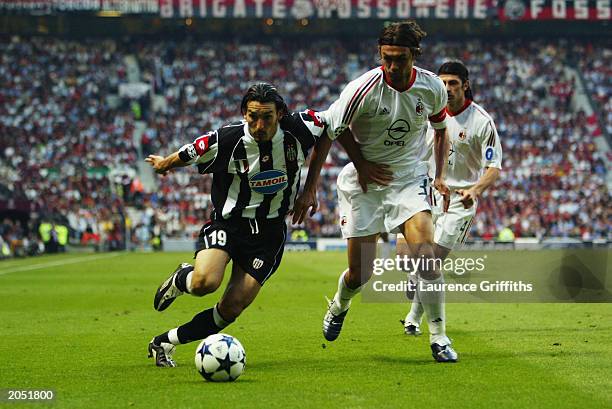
[342, 299]
[432, 303]
[173, 337]
[188, 282]
[415, 316]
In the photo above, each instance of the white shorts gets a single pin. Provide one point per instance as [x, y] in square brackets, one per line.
[383, 208]
[451, 229]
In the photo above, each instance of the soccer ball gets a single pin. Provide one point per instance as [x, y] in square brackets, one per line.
[220, 358]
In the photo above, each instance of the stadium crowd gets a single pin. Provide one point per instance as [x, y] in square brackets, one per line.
[70, 150]
[58, 134]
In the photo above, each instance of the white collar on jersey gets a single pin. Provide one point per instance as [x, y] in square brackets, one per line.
[249, 137]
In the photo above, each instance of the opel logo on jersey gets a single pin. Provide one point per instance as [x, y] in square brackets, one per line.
[268, 181]
[398, 129]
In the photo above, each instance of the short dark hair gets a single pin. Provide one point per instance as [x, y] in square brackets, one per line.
[403, 34]
[264, 92]
[458, 68]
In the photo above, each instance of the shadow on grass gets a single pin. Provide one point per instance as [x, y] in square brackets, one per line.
[424, 360]
[209, 384]
[521, 332]
[487, 355]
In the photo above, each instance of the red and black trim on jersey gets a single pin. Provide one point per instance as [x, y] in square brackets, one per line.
[466, 104]
[199, 147]
[299, 131]
[413, 75]
[311, 115]
[202, 143]
[358, 97]
[439, 117]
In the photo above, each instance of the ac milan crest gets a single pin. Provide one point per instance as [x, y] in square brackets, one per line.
[419, 107]
[462, 135]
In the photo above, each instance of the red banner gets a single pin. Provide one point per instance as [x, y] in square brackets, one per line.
[524, 10]
[518, 10]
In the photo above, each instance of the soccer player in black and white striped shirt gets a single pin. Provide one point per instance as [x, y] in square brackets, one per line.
[256, 175]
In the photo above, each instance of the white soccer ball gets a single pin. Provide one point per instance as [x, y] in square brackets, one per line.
[220, 358]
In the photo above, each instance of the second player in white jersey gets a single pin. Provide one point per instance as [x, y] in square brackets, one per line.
[474, 148]
[474, 145]
[474, 163]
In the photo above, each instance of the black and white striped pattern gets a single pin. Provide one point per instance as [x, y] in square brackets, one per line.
[239, 161]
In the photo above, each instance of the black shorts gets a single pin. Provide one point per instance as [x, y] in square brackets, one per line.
[257, 247]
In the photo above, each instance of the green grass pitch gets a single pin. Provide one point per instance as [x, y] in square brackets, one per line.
[80, 324]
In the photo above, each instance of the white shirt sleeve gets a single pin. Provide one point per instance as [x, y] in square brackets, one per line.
[490, 147]
[350, 105]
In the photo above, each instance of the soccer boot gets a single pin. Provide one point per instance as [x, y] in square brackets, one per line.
[443, 353]
[411, 329]
[168, 291]
[162, 354]
[332, 324]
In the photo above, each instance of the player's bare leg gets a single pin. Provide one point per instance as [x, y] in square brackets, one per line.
[204, 278]
[418, 232]
[208, 272]
[239, 294]
[361, 253]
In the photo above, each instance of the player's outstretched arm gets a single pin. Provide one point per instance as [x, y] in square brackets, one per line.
[368, 172]
[469, 196]
[162, 165]
[308, 198]
[441, 156]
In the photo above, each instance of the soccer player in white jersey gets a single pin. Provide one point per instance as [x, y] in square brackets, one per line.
[381, 120]
[474, 164]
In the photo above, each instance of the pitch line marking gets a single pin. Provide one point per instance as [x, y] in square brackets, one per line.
[57, 263]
